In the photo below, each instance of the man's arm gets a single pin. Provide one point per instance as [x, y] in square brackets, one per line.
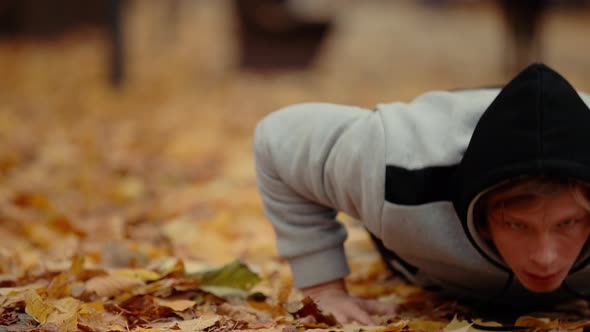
[299, 153]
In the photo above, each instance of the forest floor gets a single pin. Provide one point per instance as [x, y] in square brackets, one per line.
[116, 204]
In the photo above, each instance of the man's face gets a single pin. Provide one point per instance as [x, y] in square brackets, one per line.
[539, 238]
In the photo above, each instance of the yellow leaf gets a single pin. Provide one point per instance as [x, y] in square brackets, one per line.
[123, 297]
[107, 286]
[66, 315]
[118, 327]
[59, 286]
[67, 304]
[12, 291]
[143, 274]
[36, 307]
[77, 265]
[486, 323]
[394, 327]
[405, 290]
[426, 325]
[177, 305]
[457, 325]
[90, 307]
[141, 329]
[541, 323]
[168, 265]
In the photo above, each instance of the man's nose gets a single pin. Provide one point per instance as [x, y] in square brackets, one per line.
[543, 252]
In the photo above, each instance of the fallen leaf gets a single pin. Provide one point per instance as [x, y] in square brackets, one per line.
[12, 291]
[59, 286]
[394, 327]
[107, 286]
[142, 309]
[168, 266]
[99, 321]
[574, 325]
[197, 324]
[36, 307]
[90, 307]
[235, 275]
[65, 317]
[457, 325]
[430, 325]
[143, 274]
[177, 305]
[77, 265]
[540, 323]
[310, 308]
[226, 292]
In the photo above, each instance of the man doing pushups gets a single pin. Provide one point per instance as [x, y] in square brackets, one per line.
[482, 193]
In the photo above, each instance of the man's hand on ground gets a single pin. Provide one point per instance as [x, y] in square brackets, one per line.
[334, 298]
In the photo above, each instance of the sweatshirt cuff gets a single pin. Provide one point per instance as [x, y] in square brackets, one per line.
[319, 267]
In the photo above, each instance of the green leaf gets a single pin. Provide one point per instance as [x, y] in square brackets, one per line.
[234, 275]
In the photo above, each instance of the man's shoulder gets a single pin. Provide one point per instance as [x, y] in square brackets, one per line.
[434, 128]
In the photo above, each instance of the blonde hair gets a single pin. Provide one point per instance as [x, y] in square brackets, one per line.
[529, 187]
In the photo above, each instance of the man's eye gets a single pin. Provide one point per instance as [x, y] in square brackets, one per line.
[514, 225]
[569, 222]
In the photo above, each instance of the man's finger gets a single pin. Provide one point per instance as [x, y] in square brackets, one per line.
[340, 318]
[361, 316]
[379, 308]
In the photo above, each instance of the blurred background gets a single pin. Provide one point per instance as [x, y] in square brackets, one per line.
[130, 122]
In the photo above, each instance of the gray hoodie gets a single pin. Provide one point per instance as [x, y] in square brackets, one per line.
[411, 173]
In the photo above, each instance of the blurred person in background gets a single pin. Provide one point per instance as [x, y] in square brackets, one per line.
[523, 20]
[479, 193]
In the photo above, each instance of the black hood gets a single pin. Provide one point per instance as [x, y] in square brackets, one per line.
[537, 125]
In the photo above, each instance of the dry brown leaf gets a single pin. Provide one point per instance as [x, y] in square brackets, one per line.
[107, 286]
[168, 266]
[177, 305]
[65, 317]
[244, 313]
[99, 321]
[310, 308]
[160, 288]
[197, 324]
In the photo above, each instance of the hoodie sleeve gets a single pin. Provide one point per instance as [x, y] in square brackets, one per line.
[307, 165]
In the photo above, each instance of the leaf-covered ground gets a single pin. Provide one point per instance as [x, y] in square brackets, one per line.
[136, 209]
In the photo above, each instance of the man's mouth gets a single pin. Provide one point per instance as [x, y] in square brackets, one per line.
[545, 277]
